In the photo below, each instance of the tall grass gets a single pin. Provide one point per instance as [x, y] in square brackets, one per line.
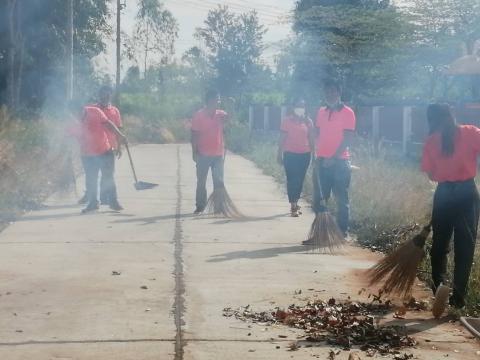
[34, 161]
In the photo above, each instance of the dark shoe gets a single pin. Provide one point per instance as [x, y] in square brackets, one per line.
[90, 208]
[307, 242]
[83, 200]
[457, 303]
[440, 302]
[115, 206]
[198, 211]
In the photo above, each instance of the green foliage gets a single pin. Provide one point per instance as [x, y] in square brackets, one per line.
[234, 44]
[154, 35]
[361, 42]
[39, 48]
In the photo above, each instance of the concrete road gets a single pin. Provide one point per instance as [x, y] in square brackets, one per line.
[151, 282]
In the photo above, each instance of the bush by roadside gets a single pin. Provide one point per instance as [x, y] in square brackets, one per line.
[35, 160]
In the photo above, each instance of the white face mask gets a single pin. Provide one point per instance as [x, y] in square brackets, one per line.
[300, 112]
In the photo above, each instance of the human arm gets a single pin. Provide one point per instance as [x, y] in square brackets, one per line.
[283, 136]
[112, 127]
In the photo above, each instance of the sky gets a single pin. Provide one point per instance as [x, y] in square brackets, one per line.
[190, 15]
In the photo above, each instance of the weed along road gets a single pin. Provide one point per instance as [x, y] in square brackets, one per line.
[152, 282]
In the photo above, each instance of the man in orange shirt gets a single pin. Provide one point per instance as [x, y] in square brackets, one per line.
[335, 126]
[96, 151]
[108, 190]
[208, 146]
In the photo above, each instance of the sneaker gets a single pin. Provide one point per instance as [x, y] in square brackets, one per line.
[307, 242]
[90, 208]
[83, 200]
[441, 299]
[198, 211]
[115, 206]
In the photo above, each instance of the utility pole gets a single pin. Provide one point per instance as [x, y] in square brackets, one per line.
[117, 78]
[69, 67]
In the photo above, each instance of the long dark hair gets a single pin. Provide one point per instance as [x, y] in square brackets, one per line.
[440, 119]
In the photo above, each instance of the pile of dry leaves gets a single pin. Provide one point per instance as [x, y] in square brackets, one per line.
[344, 324]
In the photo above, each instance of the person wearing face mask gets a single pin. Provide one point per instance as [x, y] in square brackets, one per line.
[334, 131]
[294, 152]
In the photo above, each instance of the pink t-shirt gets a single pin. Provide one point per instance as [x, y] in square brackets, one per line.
[332, 125]
[113, 114]
[296, 135]
[210, 132]
[461, 165]
[94, 139]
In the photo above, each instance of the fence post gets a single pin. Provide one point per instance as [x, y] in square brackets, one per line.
[266, 125]
[250, 117]
[407, 129]
[376, 125]
[283, 113]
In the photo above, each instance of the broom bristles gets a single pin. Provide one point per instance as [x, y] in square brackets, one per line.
[220, 204]
[325, 233]
[399, 268]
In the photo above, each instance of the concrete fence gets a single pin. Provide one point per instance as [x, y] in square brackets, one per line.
[402, 126]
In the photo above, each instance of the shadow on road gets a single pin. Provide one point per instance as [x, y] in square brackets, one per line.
[258, 254]
[414, 326]
[248, 219]
[151, 219]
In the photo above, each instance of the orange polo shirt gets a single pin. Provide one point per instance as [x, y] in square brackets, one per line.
[113, 114]
[296, 135]
[331, 125]
[94, 140]
[210, 132]
[461, 165]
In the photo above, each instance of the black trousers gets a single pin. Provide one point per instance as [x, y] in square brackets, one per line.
[335, 178]
[105, 164]
[296, 166]
[455, 212]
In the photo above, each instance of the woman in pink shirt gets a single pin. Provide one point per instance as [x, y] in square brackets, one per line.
[294, 151]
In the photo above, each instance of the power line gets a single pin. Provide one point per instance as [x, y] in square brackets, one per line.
[210, 5]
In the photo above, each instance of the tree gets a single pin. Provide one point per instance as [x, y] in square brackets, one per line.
[34, 46]
[234, 44]
[360, 42]
[154, 35]
[444, 30]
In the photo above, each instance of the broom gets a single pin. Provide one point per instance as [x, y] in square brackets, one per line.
[400, 267]
[324, 232]
[220, 204]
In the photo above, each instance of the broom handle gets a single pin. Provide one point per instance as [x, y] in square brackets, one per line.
[316, 168]
[131, 163]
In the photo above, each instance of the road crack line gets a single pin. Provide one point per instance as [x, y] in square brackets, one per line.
[179, 304]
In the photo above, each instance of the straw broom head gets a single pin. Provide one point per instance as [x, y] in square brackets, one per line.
[220, 204]
[399, 268]
[325, 233]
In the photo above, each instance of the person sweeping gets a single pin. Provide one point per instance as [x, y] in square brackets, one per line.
[295, 152]
[208, 151]
[334, 130]
[97, 152]
[108, 190]
[450, 158]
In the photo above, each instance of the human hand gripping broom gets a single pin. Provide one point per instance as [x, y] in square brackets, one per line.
[324, 231]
